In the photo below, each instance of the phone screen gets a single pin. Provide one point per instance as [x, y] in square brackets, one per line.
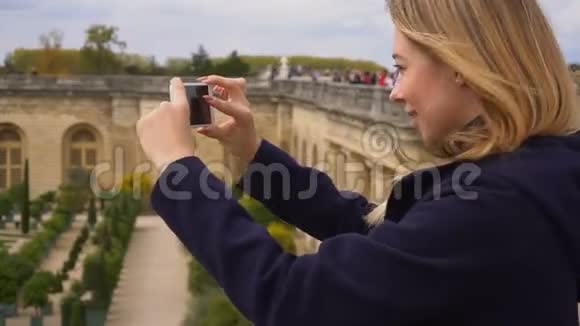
[200, 111]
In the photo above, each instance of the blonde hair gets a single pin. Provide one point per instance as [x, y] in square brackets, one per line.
[507, 53]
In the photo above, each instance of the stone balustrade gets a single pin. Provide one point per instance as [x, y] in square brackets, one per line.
[369, 103]
[364, 102]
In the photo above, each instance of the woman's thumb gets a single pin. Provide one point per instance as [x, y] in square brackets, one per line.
[178, 94]
[212, 131]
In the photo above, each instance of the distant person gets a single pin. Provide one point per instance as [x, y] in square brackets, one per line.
[336, 77]
[488, 235]
[357, 78]
[367, 78]
[374, 78]
[291, 72]
[273, 72]
[383, 78]
[315, 75]
[346, 77]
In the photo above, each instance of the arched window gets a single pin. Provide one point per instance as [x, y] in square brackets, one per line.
[11, 161]
[83, 150]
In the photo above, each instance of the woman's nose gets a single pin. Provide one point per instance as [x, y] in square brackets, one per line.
[395, 95]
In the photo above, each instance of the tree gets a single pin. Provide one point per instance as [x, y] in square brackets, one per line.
[8, 66]
[52, 39]
[14, 271]
[35, 291]
[201, 63]
[74, 194]
[52, 60]
[178, 66]
[135, 64]
[25, 208]
[233, 66]
[16, 192]
[103, 38]
[48, 197]
[36, 209]
[95, 277]
[155, 68]
[92, 212]
[5, 205]
[98, 52]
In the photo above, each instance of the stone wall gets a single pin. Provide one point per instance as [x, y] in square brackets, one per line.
[319, 124]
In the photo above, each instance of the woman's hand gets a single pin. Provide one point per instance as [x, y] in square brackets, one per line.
[238, 134]
[164, 133]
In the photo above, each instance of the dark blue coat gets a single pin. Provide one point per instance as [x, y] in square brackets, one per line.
[494, 242]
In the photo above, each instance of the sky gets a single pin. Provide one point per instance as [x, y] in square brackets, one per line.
[358, 29]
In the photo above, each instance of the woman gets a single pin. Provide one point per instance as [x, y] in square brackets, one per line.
[487, 88]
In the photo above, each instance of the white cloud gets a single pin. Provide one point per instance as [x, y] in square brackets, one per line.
[166, 28]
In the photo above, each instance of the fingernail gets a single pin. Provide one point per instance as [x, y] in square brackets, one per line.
[202, 78]
[208, 98]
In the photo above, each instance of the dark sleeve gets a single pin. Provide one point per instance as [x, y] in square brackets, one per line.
[304, 197]
[422, 268]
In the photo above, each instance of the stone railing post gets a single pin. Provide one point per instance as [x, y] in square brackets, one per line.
[377, 102]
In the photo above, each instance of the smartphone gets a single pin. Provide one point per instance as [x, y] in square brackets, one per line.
[201, 113]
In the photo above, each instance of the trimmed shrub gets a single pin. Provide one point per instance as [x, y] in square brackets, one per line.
[284, 234]
[221, 312]
[35, 291]
[94, 278]
[14, 271]
[48, 197]
[25, 201]
[36, 209]
[92, 213]
[260, 213]
[200, 281]
[16, 193]
[6, 205]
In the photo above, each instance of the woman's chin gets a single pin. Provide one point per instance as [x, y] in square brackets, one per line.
[428, 140]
